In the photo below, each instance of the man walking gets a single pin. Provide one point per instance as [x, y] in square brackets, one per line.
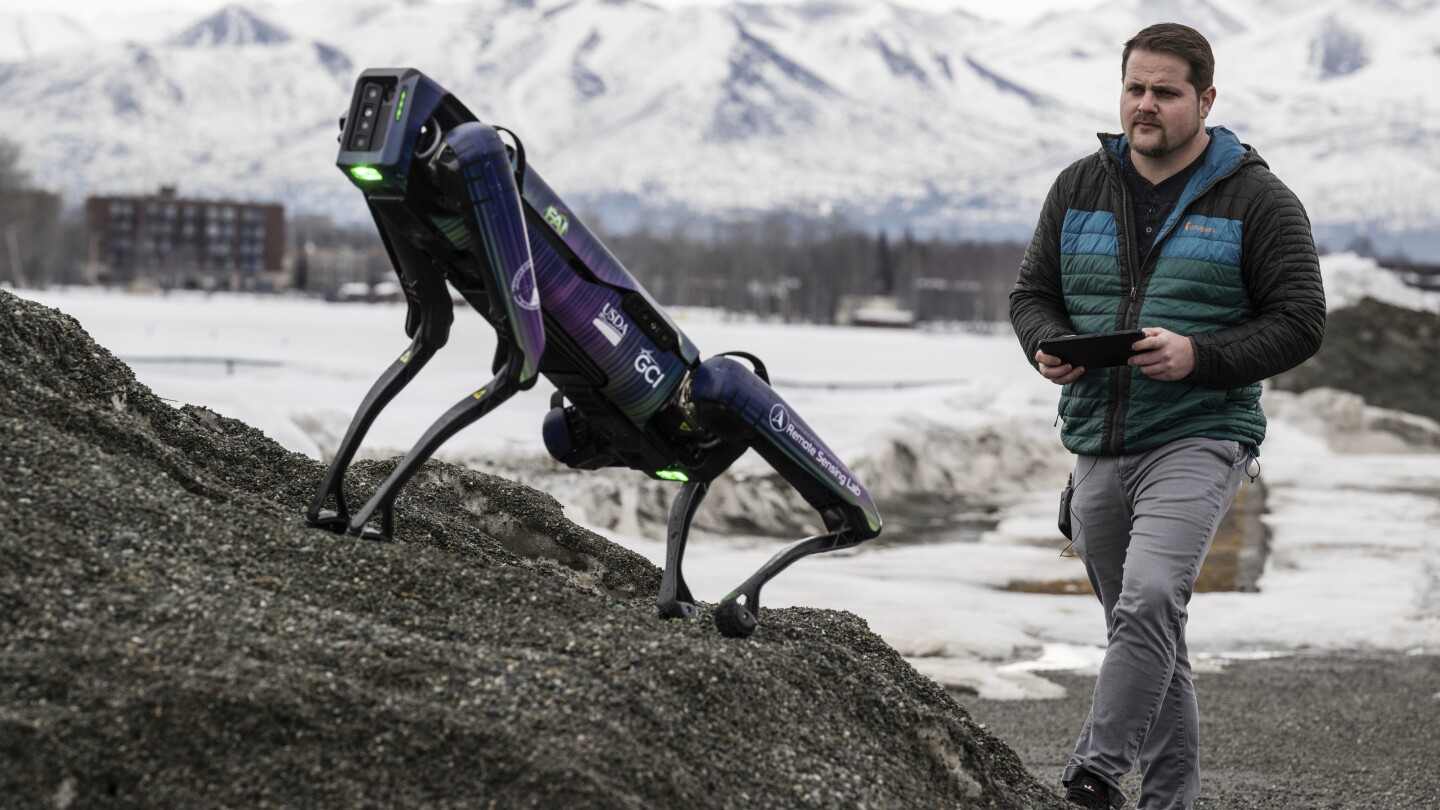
[1181, 230]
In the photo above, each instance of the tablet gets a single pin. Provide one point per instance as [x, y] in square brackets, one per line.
[1100, 350]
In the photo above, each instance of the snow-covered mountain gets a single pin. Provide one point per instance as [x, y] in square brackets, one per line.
[944, 122]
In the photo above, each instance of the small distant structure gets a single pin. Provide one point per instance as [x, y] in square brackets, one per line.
[940, 300]
[341, 263]
[381, 292]
[352, 291]
[1421, 275]
[167, 241]
[883, 311]
[387, 292]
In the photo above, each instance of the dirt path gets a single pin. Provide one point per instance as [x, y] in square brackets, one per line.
[1352, 731]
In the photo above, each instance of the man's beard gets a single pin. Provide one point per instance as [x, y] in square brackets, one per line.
[1163, 146]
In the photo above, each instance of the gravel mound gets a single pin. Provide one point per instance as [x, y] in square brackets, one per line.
[1381, 351]
[174, 636]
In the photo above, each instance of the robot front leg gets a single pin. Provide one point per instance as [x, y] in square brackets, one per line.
[429, 315]
[462, 414]
[390, 383]
[737, 405]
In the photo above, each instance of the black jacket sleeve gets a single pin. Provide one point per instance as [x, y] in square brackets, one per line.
[1037, 302]
[1282, 277]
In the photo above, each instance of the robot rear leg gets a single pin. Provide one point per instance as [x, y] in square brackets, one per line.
[737, 405]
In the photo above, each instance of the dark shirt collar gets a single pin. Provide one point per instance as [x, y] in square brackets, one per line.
[1171, 186]
[1152, 204]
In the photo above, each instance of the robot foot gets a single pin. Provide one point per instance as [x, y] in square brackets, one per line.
[677, 610]
[330, 520]
[734, 620]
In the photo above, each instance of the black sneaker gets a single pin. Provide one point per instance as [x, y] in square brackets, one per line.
[1087, 791]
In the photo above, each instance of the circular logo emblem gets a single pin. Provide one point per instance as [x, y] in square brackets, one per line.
[523, 289]
[779, 418]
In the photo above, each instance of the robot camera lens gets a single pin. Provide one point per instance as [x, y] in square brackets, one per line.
[363, 126]
[368, 112]
[372, 92]
[429, 139]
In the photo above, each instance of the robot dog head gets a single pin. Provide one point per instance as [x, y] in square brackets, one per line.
[395, 116]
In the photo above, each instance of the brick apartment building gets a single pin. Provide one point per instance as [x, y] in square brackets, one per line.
[174, 242]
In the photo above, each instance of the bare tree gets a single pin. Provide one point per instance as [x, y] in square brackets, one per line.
[12, 177]
[31, 234]
[13, 180]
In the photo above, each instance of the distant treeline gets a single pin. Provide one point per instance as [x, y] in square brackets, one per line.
[776, 266]
[816, 271]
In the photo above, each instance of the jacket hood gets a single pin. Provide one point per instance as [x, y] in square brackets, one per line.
[1222, 156]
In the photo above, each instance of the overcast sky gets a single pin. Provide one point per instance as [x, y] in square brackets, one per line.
[1013, 10]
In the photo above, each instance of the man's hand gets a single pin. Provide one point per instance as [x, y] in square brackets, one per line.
[1056, 370]
[1164, 355]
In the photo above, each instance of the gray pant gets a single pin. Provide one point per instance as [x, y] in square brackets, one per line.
[1142, 524]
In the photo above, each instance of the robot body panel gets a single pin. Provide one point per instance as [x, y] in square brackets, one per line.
[596, 261]
[639, 376]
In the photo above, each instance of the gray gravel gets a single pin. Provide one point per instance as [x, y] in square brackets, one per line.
[171, 635]
[1341, 731]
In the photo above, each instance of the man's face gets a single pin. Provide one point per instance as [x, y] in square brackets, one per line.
[1159, 108]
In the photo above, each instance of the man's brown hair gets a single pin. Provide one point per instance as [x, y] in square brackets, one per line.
[1177, 40]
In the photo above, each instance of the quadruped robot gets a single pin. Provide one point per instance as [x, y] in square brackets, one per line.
[455, 203]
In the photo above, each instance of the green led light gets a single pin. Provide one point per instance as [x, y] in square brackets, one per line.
[672, 475]
[399, 108]
[365, 174]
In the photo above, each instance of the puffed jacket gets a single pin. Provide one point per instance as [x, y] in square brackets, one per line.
[1234, 268]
